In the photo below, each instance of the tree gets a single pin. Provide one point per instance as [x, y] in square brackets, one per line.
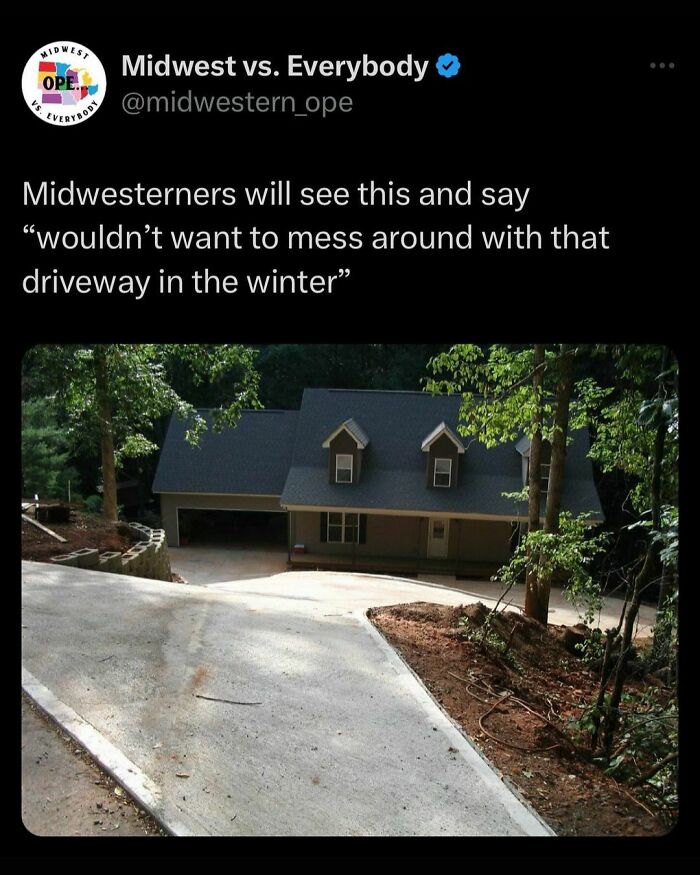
[112, 394]
[532, 600]
[540, 607]
[508, 392]
[45, 452]
[657, 416]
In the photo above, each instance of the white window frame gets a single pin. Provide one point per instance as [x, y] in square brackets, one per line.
[544, 475]
[442, 473]
[344, 527]
[352, 461]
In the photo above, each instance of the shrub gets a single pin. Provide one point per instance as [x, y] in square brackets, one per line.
[93, 504]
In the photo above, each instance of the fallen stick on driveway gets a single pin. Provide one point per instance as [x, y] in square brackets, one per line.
[226, 701]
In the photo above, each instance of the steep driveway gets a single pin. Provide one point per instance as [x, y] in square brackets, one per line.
[344, 741]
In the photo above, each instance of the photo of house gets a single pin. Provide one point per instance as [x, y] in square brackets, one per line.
[368, 479]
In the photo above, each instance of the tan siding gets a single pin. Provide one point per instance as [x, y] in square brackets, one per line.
[386, 536]
[481, 540]
[470, 540]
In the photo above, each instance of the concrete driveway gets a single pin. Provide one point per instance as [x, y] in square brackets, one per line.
[344, 740]
[215, 565]
[206, 564]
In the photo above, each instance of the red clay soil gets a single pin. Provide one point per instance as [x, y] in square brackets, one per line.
[83, 530]
[571, 794]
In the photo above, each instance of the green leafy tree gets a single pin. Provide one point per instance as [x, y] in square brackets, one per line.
[507, 392]
[658, 417]
[112, 394]
[45, 452]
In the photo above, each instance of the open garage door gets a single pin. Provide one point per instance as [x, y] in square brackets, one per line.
[235, 528]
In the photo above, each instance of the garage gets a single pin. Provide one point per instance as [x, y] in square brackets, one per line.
[226, 491]
[221, 520]
[235, 528]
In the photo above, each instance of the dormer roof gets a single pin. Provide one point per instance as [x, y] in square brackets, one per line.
[355, 431]
[439, 431]
[523, 446]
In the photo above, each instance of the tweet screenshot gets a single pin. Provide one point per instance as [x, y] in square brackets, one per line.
[348, 363]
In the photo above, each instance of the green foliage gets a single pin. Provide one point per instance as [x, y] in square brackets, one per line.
[93, 504]
[287, 369]
[626, 424]
[666, 537]
[592, 648]
[498, 399]
[665, 649]
[482, 634]
[486, 635]
[45, 468]
[567, 553]
[140, 390]
[648, 733]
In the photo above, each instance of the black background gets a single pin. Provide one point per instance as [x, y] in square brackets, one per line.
[568, 106]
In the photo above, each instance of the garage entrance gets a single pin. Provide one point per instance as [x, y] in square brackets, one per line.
[235, 528]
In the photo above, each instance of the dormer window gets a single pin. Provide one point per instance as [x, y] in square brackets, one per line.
[442, 475]
[343, 468]
[523, 447]
[346, 446]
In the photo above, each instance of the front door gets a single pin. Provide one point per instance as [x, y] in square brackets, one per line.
[438, 536]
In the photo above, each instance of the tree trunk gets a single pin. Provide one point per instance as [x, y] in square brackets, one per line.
[104, 412]
[556, 468]
[642, 579]
[534, 480]
[664, 588]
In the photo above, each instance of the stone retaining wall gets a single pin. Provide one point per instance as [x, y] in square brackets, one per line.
[148, 557]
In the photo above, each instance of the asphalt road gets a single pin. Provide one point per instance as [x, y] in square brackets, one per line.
[341, 742]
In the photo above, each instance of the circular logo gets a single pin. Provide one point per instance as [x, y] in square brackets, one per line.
[64, 83]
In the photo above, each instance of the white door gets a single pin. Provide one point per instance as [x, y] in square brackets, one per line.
[438, 536]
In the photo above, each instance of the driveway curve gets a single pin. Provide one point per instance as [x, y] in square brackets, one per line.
[342, 739]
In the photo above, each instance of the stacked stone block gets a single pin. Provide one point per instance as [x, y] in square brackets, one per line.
[148, 557]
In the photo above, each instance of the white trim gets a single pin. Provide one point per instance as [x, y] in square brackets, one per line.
[311, 508]
[442, 474]
[439, 431]
[352, 463]
[446, 539]
[342, 527]
[360, 444]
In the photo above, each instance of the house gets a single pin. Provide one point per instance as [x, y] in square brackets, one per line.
[373, 479]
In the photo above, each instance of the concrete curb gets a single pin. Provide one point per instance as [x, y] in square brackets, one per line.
[519, 808]
[139, 786]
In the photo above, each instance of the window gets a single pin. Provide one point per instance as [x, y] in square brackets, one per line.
[343, 468]
[443, 472]
[544, 476]
[343, 528]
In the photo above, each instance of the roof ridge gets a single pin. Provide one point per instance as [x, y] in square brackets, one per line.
[387, 392]
[249, 410]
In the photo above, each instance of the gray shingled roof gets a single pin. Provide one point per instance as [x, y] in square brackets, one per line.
[252, 458]
[393, 467]
[355, 431]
